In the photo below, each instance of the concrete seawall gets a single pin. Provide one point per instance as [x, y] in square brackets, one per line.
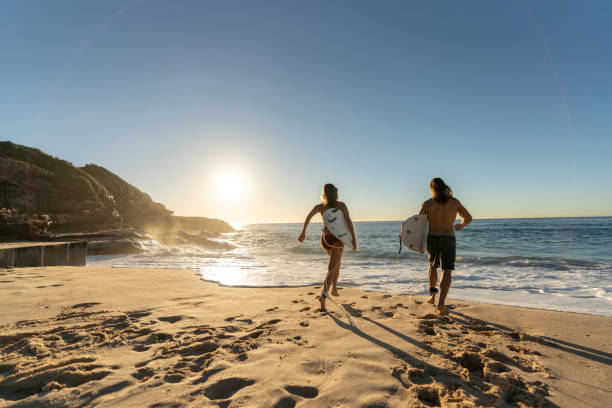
[23, 254]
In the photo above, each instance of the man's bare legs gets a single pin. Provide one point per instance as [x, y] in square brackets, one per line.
[433, 281]
[445, 283]
[335, 255]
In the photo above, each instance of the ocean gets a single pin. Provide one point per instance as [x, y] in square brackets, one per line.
[560, 264]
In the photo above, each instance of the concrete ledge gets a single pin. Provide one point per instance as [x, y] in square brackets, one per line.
[27, 254]
[55, 255]
[7, 258]
[77, 254]
[30, 256]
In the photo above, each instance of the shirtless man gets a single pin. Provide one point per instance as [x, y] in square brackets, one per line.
[442, 209]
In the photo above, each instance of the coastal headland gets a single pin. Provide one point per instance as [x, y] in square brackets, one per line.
[84, 336]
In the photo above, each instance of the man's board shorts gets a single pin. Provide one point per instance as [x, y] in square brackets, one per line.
[441, 250]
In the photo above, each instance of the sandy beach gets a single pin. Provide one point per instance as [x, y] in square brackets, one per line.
[89, 336]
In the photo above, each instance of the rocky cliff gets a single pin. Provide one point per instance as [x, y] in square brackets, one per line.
[41, 196]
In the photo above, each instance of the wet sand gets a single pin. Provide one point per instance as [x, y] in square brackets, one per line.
[85, 336]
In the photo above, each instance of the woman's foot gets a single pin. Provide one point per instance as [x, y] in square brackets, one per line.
[334, 292]
[322, 301]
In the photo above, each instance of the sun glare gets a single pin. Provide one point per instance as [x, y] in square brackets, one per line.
[230, 185]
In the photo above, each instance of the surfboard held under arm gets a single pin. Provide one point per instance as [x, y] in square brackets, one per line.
[414, 233]
[334, 221]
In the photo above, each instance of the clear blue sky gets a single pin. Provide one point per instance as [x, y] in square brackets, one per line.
[514, 113]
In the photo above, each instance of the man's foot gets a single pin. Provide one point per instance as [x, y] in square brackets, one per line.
[334, 292]
[432, 295]
[441, 310]
[322, 301]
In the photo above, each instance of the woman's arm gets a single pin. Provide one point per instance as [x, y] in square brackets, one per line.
[349, 223]
[315, 209]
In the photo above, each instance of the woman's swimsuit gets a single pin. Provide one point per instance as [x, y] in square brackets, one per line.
[329, 241]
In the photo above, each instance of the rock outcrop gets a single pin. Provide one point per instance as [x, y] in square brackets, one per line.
[42, 196]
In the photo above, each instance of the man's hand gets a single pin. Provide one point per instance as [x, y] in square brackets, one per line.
[459, 227]
[302, 237]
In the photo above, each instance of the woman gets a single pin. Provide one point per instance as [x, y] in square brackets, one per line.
[332, 245]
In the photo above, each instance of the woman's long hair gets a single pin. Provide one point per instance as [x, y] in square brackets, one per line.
[440, 191]
[330, 195]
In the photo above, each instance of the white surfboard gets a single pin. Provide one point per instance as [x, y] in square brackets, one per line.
[414, 233]
[333, 218]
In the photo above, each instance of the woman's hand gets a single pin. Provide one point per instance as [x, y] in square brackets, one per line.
[302, 237]
[354, 245]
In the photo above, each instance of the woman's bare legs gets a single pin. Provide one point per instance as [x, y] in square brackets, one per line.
[335, 256]
[334, 291]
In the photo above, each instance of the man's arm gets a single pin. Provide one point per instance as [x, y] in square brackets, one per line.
[315, 209]
[423, 209]
[464, 214]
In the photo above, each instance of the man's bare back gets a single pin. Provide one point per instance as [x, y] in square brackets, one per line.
[442, 216]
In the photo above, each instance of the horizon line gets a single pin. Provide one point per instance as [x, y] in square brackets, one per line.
[475, 219]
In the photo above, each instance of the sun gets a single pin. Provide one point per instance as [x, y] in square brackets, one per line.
[230, 185]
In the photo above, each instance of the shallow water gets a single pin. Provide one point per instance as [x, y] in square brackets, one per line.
[557, 264]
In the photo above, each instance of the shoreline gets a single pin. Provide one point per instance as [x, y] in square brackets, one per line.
[137, 336]
[450, 297]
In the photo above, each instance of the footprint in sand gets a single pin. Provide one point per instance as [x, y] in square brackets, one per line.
[303, 391]
[85, 305]
[305, 309]
[428, 394]
[426, 328]
[523, 350]
[297, 340]
[285, 402]
[138, 314]
[143, 374]
[171, 319]
[168, 405]
[227, 387]
[272, 309]
[174, 377]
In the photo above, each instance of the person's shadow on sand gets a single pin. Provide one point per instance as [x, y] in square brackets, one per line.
[512, 392]
[582, 351]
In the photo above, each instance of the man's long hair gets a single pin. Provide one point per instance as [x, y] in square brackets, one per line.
[441, 192]
[330, 195]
